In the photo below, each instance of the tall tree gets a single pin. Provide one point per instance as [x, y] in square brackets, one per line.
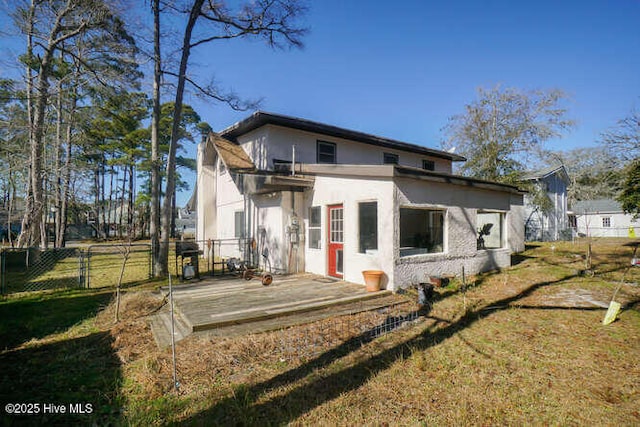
[49, 26]
[503, 128]
[623, 141]
[154, 199]
[273, 21]
[629, 197]
[593, 171]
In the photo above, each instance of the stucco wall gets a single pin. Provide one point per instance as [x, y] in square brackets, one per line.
[281, 141]
[349, 192]
[461, 205]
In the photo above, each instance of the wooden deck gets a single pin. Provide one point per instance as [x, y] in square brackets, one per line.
[236, 306]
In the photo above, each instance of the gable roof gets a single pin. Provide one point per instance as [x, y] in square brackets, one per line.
[261, 118]
[233, 156]
[582, 207]
[546, 172]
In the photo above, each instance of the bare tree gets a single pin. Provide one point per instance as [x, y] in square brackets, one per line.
[624, 139]
[273, 21]
[500, 130]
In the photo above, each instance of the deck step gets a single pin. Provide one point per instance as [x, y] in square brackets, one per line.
[161, 327]
[265, 313]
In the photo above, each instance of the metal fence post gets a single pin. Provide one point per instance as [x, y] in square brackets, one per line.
[3, 269]
[88, 267]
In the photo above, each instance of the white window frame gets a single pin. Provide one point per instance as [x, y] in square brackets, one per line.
[313, 227]
[502, 228]
[417, 251]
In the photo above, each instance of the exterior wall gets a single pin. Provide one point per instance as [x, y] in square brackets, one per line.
[592, 225]
[206, 181]
[281, 140]
[554, 225]
[461, 205]
[349, 192]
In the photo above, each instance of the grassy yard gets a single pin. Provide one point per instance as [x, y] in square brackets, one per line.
[522, 346]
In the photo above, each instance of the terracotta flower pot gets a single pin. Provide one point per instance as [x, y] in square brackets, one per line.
[373, 279]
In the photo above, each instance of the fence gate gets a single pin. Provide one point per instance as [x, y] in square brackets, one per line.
[34, 269]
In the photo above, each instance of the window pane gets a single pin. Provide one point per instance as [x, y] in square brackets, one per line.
[428, 165]
[314, 216]
[314, 227]
[314, 238]
[336, 225]
[239, 224]
[326, 152]
[368, 220]
[421, 231]
[388, 158]
[490, 230]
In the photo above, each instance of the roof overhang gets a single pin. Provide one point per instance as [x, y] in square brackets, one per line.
[397, 171]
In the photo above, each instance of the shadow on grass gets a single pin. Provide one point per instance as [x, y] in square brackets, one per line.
[37, 315]
[248, 405]
[83, 371]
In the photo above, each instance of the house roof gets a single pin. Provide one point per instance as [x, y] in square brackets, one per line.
[398, 171]
[546, 172]
[233, 156]
[261, 118]
[596, 206]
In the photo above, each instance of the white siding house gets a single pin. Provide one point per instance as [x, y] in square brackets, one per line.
[604, 218]
[311, 197]
[552, 224]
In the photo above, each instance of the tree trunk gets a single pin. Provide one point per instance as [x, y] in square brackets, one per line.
[175, 128]
[154, 220]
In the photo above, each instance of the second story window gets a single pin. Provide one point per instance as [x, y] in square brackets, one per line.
[389, 159]
[428, 165]
[326, 152]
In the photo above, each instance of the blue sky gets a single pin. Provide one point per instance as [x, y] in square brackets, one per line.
[401, 69]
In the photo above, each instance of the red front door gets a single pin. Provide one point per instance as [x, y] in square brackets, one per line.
[335, 259]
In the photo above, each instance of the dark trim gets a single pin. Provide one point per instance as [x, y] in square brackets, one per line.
[261, 118]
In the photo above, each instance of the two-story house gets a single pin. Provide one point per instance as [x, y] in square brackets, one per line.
[550, 222]
[311, 197]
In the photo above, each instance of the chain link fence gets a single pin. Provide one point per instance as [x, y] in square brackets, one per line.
[33, 269]
[105, 264]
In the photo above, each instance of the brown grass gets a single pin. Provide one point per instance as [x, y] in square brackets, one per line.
[523, 352]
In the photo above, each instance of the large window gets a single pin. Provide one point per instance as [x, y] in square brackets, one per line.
[314, 227]
[326, 152]
[421, 231]
[390, 159]
[238, 219]
[368, 226]
[490, 230]
[606, 221]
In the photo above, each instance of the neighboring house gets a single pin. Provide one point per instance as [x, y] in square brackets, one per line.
[552, 224]
[311, 197]
[603, 218]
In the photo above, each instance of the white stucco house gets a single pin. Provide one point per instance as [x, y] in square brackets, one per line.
[311, 197]
[603, 218]
[553, 224]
